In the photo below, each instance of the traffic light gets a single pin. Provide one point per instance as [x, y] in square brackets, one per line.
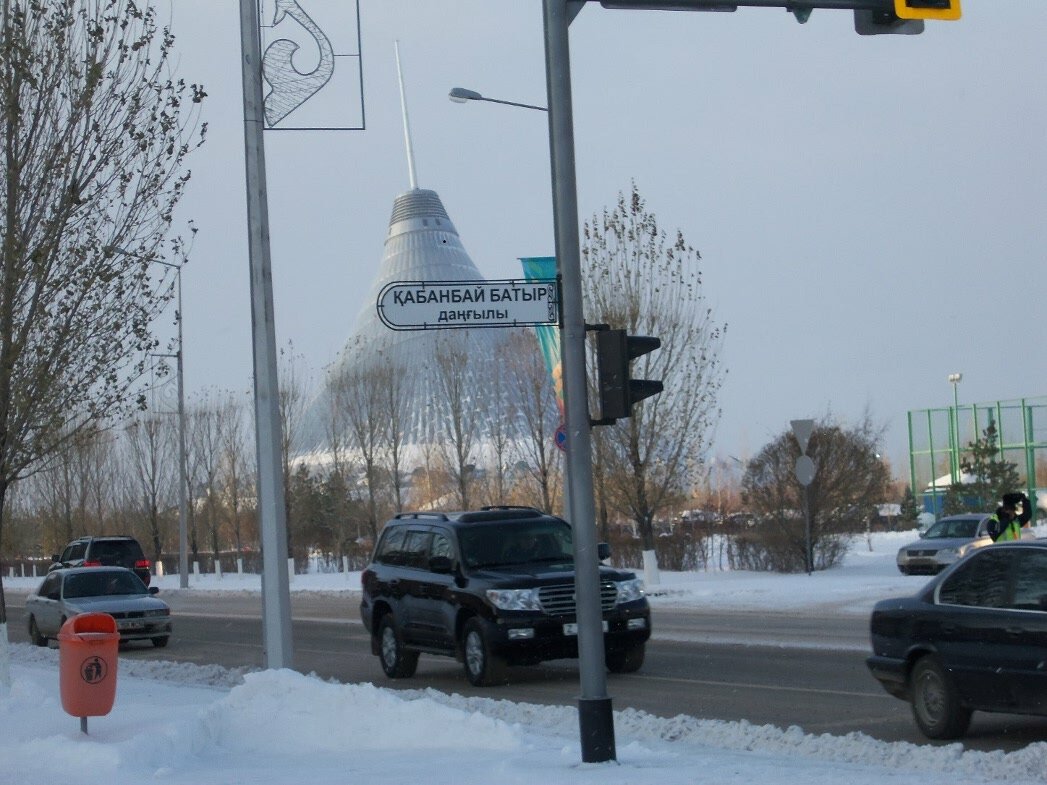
[618, 390]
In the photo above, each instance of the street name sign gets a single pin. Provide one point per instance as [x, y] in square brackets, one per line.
[447, 305]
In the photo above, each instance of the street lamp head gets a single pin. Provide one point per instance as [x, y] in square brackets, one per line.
[955, 377]
[460, 95]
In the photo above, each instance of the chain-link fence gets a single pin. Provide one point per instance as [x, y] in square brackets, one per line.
[940, 438]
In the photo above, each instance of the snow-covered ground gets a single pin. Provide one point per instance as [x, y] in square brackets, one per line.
[180, 723]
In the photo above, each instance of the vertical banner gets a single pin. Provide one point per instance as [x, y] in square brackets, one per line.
[544, 267]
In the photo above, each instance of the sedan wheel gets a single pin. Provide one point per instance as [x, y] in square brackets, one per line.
[482, 668]
[936, 703]
[34, 633]
[397, 662]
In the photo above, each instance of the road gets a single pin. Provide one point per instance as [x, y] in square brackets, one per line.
[778, 669]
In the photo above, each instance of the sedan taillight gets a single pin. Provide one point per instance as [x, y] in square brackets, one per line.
[92, 564]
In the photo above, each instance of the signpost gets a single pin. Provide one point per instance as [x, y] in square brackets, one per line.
[805, 471]
[448, 305]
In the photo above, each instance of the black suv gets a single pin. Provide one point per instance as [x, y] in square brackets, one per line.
[491, 587]
[115, 551]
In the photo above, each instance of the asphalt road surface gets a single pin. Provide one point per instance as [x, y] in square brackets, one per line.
[778, 669]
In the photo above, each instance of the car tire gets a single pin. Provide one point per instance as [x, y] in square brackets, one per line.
[482, 668]
[627, 660]
[936, 705]
[34, 633]
[397, 661]
[161, 641]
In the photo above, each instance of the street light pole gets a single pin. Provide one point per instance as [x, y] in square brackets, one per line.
[183, 476]
[460, 96]
[954, 427]
[276, 593]
[595, 714]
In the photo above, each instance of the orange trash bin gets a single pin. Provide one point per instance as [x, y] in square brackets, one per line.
[88, 646]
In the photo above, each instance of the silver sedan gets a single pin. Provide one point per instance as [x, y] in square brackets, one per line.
[139, 614]
[945, 542]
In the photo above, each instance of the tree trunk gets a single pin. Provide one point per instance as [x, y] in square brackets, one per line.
[5, 648]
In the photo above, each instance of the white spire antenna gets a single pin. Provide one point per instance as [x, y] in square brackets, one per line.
[407, 124]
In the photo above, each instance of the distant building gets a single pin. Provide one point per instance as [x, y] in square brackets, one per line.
[422, 244]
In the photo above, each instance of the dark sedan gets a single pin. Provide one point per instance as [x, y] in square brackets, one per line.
[973, 639]
[139, 614]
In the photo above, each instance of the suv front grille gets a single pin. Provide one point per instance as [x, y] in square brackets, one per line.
[559, 600]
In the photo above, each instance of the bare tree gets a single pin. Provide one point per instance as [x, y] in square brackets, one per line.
[850, 480]
[501, 413]
[153, 458]
[460, 416]
[236, 477]
[93, 141]
[641, 279]
[292, 415]
[208, 421]
[397, 386]
[360, 393]
[536, 406]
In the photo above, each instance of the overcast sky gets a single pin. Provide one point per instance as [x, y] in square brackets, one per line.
[870, 210]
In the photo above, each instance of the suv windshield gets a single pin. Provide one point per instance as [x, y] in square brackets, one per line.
[526, 542]
[965, 527]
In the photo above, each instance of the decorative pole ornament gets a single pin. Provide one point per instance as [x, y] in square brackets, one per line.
[290, 87]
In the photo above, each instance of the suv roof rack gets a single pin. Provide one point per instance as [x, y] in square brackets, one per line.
[436, 515]
[511, 507]
[499, 514]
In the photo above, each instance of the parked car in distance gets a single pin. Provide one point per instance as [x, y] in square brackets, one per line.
[64, 593]
[944, 543]
[973, 639]
[111, 551]
[491, 587]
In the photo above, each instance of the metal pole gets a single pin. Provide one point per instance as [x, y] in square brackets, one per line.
[183, 472]
[276, 597]
[596, 718]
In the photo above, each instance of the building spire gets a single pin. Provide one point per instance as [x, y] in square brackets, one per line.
[407, 126]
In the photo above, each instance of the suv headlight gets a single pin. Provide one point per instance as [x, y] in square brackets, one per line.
[631, 590]
[514, 599]
[949, 554]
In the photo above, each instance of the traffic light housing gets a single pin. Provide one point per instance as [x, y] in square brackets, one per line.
[618, 390]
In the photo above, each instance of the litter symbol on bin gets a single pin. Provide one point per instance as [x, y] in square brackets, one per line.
[93, 670]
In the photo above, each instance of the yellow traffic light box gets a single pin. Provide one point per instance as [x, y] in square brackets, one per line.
[927, 9]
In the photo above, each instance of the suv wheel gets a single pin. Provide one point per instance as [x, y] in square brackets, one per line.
[936, 703]
[482, 668]
[397, 662]
[34, 633]
[625, 660]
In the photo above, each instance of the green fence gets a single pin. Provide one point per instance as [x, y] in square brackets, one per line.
[938, 439]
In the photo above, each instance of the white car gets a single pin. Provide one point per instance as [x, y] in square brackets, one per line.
[139, 614]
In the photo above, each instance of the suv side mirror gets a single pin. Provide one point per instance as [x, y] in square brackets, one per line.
[603, 551]
[154, 589]
[55, 557]
[441, 565]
